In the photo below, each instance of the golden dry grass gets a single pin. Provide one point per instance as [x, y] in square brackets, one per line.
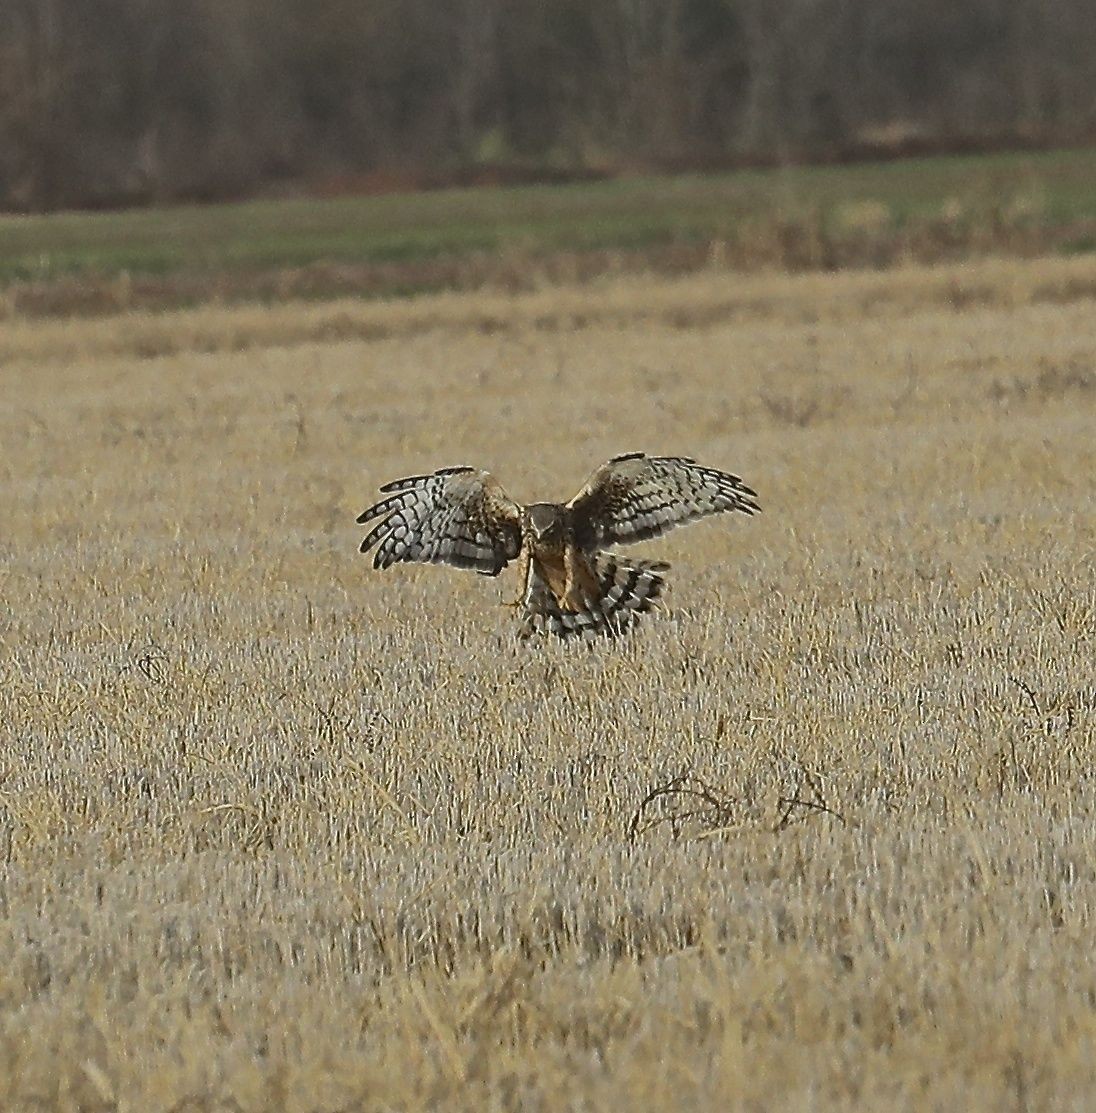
[277, 832]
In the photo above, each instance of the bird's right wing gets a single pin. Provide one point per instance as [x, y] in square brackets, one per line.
[459, 516]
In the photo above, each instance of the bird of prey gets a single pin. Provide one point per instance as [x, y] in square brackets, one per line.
[573, 586]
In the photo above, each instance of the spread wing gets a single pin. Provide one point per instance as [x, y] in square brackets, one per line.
[634, 497]
[459, 516]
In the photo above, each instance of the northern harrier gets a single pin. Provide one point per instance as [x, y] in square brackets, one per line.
[573, 587]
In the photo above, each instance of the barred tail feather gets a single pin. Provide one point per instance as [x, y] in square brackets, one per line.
[626, 588]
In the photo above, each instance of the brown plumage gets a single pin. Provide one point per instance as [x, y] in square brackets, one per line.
[572, 585]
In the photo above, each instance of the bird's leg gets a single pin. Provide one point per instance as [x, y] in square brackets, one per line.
[523, 580]
[581, 588]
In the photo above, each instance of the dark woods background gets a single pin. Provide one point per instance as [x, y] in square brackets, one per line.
[109, 102]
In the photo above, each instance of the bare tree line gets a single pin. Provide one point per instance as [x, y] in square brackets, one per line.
[106, 102]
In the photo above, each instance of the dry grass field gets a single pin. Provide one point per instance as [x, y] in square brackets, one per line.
[281, 833]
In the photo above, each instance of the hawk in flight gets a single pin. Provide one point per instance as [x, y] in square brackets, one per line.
[573, 586]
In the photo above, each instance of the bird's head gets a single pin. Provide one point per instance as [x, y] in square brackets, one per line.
[545, 522]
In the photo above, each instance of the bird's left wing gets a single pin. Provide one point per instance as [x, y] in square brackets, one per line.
[634, 497]
[459, 516]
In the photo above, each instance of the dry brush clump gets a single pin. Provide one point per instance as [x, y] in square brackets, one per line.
[280, 832]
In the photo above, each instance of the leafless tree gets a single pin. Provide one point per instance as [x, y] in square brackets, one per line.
[121, 101]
